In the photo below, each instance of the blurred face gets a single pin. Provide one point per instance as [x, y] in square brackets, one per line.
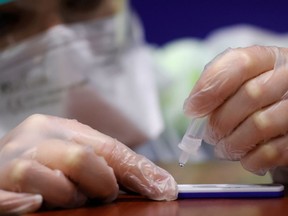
[22, 19]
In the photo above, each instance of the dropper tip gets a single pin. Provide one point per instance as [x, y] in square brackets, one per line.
[181, 164]
[183, 158]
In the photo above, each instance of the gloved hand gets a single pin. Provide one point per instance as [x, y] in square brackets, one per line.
[65, 162]
[243, 92]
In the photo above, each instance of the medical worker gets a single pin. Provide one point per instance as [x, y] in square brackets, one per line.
[84, 60]
[42, 71]
[46, 150]
[78, 59]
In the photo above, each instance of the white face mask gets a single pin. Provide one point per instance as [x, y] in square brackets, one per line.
[35, 74]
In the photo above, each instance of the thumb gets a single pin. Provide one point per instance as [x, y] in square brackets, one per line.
[19, 203]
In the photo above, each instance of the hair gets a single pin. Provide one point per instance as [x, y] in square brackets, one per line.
[5, 20]
[81, 5]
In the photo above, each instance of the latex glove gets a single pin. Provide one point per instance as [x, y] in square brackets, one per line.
[66, 162]
[244, 93]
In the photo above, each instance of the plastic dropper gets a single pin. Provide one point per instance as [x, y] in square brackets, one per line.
[192, 139]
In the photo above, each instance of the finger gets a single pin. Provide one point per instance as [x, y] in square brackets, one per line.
[267, 156]
[225, 74]
[137, 173]
[31, 177]
[258, 128]
[133, 171]
[246, 101]
[19, 203]
[80, 163]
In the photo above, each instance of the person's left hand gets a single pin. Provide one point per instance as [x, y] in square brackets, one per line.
[243, 92]
[65, 163]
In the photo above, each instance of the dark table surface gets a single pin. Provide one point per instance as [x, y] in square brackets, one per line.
[209, 172]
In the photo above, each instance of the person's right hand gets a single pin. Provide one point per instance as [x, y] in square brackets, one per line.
[64, 163]
[243, 92]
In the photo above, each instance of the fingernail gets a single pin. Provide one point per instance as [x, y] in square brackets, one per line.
[260, 172]
[194, 107]
[188, 107]
[166, 187]
[26, 204]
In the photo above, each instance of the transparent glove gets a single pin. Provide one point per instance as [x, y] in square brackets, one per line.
[243, 92]
[65, 163]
